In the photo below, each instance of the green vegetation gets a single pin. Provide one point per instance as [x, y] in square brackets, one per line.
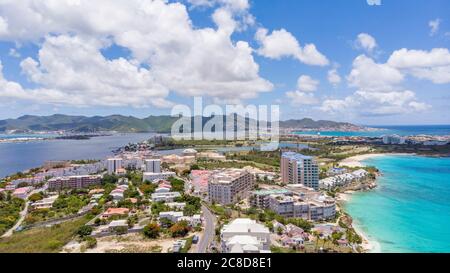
[84, 231]
[9, 212]
[267, 158]
[84, 161]
[158, 207]
[276, 249]
[193, 204]
[147, 188]
[179, 229]
[42, 240]
[36, 197]
[66, 204]
[188, 245]
[152, 230]
[177, 184]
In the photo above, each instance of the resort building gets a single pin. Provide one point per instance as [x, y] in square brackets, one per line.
[297, 201]
[74, 182]
[260, 199]
[245, 236]
[299, 169]
[230, 186]
[157, 176]
[199, 181]
[45, 203]
[342, 179]
[165, 196]
[22, 193]
[114, 165]
[393, 139]
[153, 165]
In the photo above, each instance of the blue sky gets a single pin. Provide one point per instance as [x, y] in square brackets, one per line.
[390, 61]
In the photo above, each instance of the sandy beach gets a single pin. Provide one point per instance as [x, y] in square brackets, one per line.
[356, 161]
[369, 246]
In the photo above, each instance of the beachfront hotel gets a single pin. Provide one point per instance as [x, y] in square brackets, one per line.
[230, 186]
[74, 182]
[299, 169]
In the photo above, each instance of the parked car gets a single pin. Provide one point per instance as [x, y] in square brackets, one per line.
[195, 239]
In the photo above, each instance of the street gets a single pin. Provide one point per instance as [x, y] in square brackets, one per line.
[209, 233]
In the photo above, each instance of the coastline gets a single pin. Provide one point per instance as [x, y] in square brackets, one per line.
[368, 245]
[356, 161]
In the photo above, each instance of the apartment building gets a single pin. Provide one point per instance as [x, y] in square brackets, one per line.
[317, 209]
[74, 182]
[153, 165]
[230, 186]
[157, 176]
[299, 169]
[260, 199]
[114, 165]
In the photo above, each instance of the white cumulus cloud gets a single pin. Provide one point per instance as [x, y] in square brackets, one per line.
[281, 43]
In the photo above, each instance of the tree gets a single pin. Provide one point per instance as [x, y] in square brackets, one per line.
[180, 229]
[35, 197]
[84, 231]
[152, 230]
[91, 242]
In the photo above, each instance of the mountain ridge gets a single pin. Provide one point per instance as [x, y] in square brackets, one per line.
[120, 123]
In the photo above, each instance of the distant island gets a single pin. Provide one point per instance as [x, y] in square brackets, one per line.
[158, 124]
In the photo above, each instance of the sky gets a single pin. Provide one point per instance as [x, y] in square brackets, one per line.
[371, 62]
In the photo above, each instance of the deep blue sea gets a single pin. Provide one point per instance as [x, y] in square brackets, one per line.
[20, 156]
[389, 130]
[410, 210]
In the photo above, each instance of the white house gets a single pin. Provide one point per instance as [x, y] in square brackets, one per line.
[260, 241]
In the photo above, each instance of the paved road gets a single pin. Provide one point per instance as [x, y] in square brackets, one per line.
[23, 213]
[210, 230]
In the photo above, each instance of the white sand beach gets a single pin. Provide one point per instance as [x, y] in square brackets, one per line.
[368, 245]
[356, 161]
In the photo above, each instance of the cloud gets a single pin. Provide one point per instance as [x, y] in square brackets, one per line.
[281, 43]
[368, 75]
[307, 84]
[433, 65]
[14, 53]
[333, 77]
[167, 52]
[366, 42]
[304, 93]
[434, 26]
[374, 2]
[301, 98]
[365, 103]
[378, 92]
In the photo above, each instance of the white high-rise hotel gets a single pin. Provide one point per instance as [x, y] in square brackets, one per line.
[299, 169]
[114, 164]
[153, 165]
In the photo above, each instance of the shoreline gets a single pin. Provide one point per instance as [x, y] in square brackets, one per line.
[356, 161]
[368, 245]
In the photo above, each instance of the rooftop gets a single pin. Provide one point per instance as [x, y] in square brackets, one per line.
[296, 156]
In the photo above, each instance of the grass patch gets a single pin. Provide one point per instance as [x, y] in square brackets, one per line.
[188, 245]
[42, 240]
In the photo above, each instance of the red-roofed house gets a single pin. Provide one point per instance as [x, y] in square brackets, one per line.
[22, 193]
[115, 211]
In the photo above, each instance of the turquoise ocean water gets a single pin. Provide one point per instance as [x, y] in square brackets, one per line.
[410, 210]
[405, 130]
